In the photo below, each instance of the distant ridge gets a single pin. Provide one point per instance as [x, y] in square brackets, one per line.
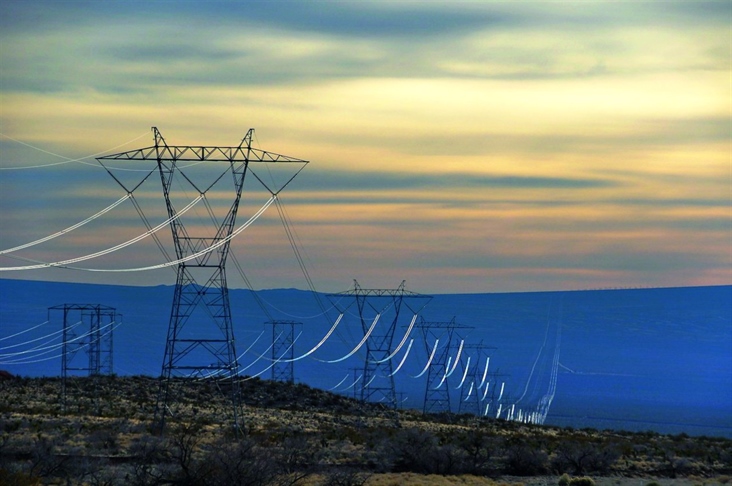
[643, 358]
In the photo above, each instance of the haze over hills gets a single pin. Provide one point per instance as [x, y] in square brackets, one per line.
[640, 359]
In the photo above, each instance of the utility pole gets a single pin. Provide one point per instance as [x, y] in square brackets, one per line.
[87, 327]
[379, 311]
[200, 341]
[443, 336]
[283, 350]
[473, 386]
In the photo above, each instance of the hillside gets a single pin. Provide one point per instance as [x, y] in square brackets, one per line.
[294, 434]
[635, 359]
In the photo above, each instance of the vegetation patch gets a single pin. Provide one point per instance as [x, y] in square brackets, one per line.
[102, 434]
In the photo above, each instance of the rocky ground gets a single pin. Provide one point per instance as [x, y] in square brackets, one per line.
[101, 432]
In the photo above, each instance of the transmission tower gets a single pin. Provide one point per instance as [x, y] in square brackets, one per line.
[494, 398]
[88, 328]
[470, 393]
[200, 341]
[283, 350]
[379, 311]
[437, 391]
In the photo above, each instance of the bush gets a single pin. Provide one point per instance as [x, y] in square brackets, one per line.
[525, 460]
[581, 457]
[583, 481]
[420, 451]
[18, 478]
[563, 480]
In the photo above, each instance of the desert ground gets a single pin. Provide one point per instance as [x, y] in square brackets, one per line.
[102, 431]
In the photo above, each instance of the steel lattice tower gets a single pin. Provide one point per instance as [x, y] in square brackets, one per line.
[95, 338]
[283, 350]
[377, 378]
[437, 389]
[470, 395]
[493, 395]
[200, 340]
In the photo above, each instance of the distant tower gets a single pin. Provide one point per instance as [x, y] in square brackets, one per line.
[283, 350]
[379, 311]
[472, 390]
[87, 328]
[437, 390]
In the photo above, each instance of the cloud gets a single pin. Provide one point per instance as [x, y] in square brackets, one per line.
[366, 181]
[454, 141]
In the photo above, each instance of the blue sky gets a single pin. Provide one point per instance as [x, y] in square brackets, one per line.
[462, 146]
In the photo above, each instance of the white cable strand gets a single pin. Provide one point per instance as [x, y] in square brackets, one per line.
[444, 377]
[68, 160]
[214, 373]
[37, 348]
[470, 391]
[363, 341]
[276, 361]
[429, 361]
[34, 340]
[538, 355]
[29, 359]
[69, 229]
[465, 373]
[485, 372]
[485, 392]
[365, 385]
[353, 384]
[260, 356]
[194, 255]
[24, 331]
[108, 250]
[404, 340]
[46, 342]
[404, 358]
[322, 341]
[339, 383]
[457, 358]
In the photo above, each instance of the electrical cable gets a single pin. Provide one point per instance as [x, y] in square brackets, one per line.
[238, 266]
[28, 359]
[189, 257]
[34, 340]
[363, 341]
[214, 373]
[485, 372]
[24, 331]
[444, 377]
[64, 263]
[399, 347]
[457, 359]
[68, 160]
[353, 384]
[404, 358]
[465, 373]
[470, 391]
[339, 383]
[69, 229]
[429, 361]
[275, 361]
[322, 341]
[365, 385]
[485, 392]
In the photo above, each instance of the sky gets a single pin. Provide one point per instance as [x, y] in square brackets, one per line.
[460, 146]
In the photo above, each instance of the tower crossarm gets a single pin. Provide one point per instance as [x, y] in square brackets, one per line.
[192, 153]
